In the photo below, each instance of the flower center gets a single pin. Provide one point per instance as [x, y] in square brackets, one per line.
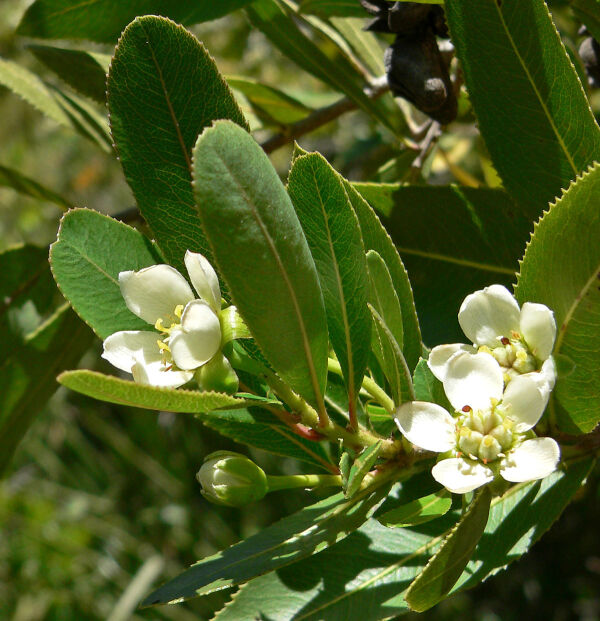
[166, 332]
[484, 435]
[513, 355]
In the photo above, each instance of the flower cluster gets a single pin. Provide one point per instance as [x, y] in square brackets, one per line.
[187, 327]
[498, 388]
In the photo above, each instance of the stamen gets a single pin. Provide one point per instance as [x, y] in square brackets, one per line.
[504, 340]
[467, 408]
[178, 311]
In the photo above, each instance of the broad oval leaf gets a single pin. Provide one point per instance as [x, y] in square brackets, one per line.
[531, 108]
[263, 255]
[163, 90]
[561, 268]
[86, 259]
[103, 20]
[333, 235]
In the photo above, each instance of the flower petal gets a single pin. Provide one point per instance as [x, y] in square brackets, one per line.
[199, 338]
[460, 476]
[548, 372]
[473, 379]
[440, 355]
[532, 460]
[524, 401]
[538, 328]
[154, 292]
[123, 349]
[154, 373]
[488, 314]
[427, 425]
[204, 278]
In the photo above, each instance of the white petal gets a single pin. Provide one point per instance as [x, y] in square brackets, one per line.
[199, 338]
[524, 401]
[204, 278]
[427, 425]
[548, 372]
[154, 292]
[154, 374]
[123, 349]
[460, 476]
[473, 380]
[488, 314]
[538, 328]
[440, 355]
[532, 460]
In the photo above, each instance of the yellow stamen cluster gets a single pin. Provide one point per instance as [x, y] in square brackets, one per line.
[163, 342]
[513, 355]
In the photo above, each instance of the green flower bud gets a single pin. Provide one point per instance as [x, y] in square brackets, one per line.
[218, 375]
[231, 479]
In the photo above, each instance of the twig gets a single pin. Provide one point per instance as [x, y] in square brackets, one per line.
[425, 147]
[322, 116]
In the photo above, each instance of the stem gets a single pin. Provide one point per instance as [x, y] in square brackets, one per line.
[293, 481]
[321, 117]
[368, 384]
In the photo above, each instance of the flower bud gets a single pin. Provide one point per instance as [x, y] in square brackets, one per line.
[231, 479]
[218, 375]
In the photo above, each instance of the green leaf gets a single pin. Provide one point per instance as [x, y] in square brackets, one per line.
[383, 296]
[360, 468]
[163, 90]
[27, 292]
[588, 11]
[333, 235]
[11, 178]
[86, 260]
[418, 511]
[453, 240]
[329, 8]
[263, 430]
[376, 238]
[125, 392]
[371, 585]
[274, 20]
[531, 107]
[27, 375]
[390, 357]
[263, 255]
[365, 44]
[82, 70]
[270, 104]
[299, 535]
[428, 387]
[561, 269]
[448, 563]
[103, 20]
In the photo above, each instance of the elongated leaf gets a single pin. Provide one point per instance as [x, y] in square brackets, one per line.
[453, 241]
[125, 392]
[11, 178]
[103, 20]
[383, 296]
[270, 104]
[261, 429]
[561, 268]
[588, 12]
[428, 387]
[27, 375]
[391, 359]
[263, 255]
[360, 468]
[333, 234]
[368, 573]
[83, 71]
[376, 238]
[163, 90]
[86, 260]
[448, 563]
[274, 21]
[418, 511]
[293, 538]
[532, 110]
[329, 8]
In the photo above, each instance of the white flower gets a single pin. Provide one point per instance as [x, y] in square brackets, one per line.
[189, 330]
[490, 431]
[520, 339]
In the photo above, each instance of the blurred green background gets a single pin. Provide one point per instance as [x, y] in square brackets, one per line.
[101, 502]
